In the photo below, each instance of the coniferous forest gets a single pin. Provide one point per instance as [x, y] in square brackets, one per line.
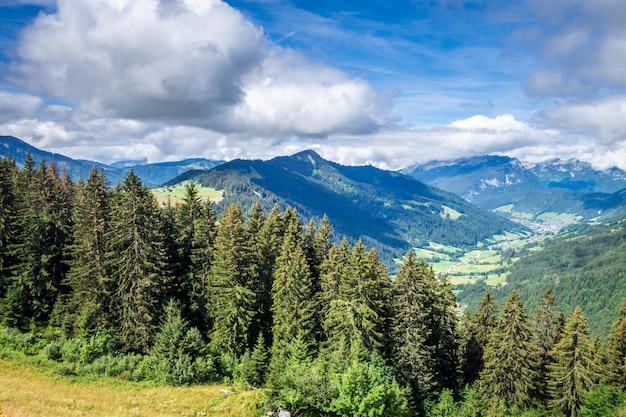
[105, 282]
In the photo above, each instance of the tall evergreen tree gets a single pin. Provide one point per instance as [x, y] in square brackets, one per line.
[88, 278]
[447, 337]
[548, 326]
[510, 371]
[294, 308]
[197, 230]
[413, 354]
[616, 351]
[355, 295]
[43, 231]
[268, 247]
[8, 217]
[230, 283]
[477, 329]
[572, 373]
[136, 258]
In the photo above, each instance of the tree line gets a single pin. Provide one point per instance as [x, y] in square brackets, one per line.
[104, 281]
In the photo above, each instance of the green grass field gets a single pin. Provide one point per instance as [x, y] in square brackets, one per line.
[33, 391]
[175, 193]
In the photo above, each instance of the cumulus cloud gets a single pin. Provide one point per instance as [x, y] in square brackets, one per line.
[187, 62]
[604, 119]
[17, 106]
[584, 43]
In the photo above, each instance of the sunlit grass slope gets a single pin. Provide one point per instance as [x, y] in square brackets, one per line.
[27, 391]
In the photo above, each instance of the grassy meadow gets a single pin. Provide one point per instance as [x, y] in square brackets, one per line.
[33, 391]
[175, 193]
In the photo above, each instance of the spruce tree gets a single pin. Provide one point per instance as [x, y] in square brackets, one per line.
[413, 354]
[548, 325]
[230, 284]
[88, 278]
[616, 351]
[573, 371]
[510, 373]
[268, 246]
[136, 259]
[447, 337]
[43, 233]
[478, 328]
[294, 308]
[8, 218]
[195, 223]
[355, 295]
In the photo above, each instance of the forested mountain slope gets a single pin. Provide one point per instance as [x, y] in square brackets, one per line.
[585, 268]
[386, 209]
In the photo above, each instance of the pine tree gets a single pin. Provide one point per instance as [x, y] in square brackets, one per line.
[413, 353]
[136, 259]
[43, 232]
[88, 278]
[510, 372]
[231, 297]
[268, 247]
[478, 328]
[8, 218]
[195, 223]
[356, 295]
[572, 373]
[447, 338]
[616, 351]
[294, 308]
[547, 323]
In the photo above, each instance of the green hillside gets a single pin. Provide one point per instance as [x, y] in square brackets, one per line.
[585, 267]
[388, 210]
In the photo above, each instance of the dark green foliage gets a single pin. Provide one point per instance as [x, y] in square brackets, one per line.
[548, 325]
[195, 231]
[616, 351]
[90, 283]
[42, 232]
[294, 307]
[230, 284]
[137, 259]
[476, 332]
[253, 366]
[573, 371]
[424, 345]
[510, 358]
[178, 354]
[603, 401]
[368, 389]
[356, 293]
[8, 213]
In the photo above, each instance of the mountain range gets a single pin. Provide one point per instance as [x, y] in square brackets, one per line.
[388, 210]
[529, 191]
[151, 174]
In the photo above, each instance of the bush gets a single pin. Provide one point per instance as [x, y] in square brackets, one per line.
[116, 366]
[14, 340]
[53, 351]
[84, 351]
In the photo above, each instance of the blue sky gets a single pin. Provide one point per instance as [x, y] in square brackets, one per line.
[361, 82]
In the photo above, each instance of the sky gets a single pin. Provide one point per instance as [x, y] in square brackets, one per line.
[386, 83]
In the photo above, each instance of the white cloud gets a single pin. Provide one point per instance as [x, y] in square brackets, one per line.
[16, 106]
[188, 62]
[603, 119]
